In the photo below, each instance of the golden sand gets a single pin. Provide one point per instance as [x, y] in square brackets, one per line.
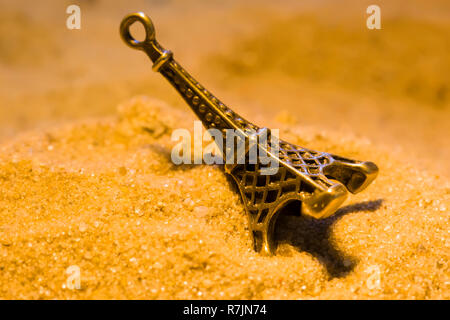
[104, 196]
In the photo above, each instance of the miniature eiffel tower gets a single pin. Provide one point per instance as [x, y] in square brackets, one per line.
[318, 181]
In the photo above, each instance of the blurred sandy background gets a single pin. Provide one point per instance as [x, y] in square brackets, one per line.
[314, 59]
[381, 95]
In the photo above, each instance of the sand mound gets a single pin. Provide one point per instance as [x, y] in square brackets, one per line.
[103, 195]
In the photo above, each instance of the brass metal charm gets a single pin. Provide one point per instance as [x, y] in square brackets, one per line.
[318, 181]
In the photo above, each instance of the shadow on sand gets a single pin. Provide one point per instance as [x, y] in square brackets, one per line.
[314, 236]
